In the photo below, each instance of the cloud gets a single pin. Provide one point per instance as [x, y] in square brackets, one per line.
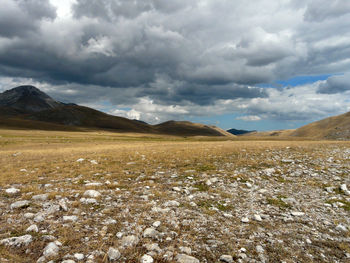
[318, 11]
[335, 84]
[201, 56]
[249, 118]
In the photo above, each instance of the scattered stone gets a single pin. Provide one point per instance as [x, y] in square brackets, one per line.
[130, 241]
[12, 191]
[17, 241]
[245, 220]
[341, 228]
[70, 218]
[226, 259]
[182, 258]
[150, 232]
[93, 162]
[259, 249]
[146, 259]
[80, 160]
[41, 197]
[51, 249]
[20, 204]
[68, 261]
[113, 254]
[92, 193]
[172, 203]
[185, 250]
[79, 256]
[257, 217]
[156, 224]
[33, 228]
[296, 213]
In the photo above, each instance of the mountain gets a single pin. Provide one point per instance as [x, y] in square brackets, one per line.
[238, 132]
[27, 107]
[334, 128]
[27, 99]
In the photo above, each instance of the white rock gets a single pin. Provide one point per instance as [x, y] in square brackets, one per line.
[88, 201]
[39, 218]
[245, 220]
[176, 189]
[93, 162]
[63, 205]
[92, 193]
[129, 241]
[113, 254]
[70, 218]
[17, 241]
[344, 188]
[182, 258]
[172, 203]
[257, 218]
[146, 259]
[341, 228]
[156, 224]
[259, 249]
[150, 232]
[12, 191]
[226, 259]
[68, 261]
[51, 250]
[20, 204]
[296, 213]
[79, 256]
[33, 228]
[80, 160]
[41, 197]
[28, 215]
[185, 250]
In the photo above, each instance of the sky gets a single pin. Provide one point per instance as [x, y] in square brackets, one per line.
[257, 65]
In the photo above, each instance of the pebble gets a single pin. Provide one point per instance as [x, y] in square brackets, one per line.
[245, 220]
[226, 259]
[150, 232]
[146, 259]
[92, 193]
[17, 241]
[51, 249]
[182, 258]
[20, 204]
[33, 228]
[12, 191]
[113, 254]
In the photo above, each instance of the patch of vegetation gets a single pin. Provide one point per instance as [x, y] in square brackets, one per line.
[278, 203]
[346, 205]
[201, 186]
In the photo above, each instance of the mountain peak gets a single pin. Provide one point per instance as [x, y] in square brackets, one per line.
[27, 99]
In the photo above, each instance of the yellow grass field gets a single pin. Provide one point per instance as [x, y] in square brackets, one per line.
[137, 175]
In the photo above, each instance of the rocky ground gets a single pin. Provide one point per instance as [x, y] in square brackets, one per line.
[177, 202]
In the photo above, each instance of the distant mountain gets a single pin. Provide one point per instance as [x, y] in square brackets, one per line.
[239, 132]
[334, 128]
[27, 107]
[27, 99]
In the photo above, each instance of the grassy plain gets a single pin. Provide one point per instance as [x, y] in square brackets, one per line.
[137, 173]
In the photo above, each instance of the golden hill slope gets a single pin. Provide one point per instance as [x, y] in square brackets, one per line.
[337, 128]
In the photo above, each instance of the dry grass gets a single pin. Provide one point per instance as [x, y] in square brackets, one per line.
[130, 162]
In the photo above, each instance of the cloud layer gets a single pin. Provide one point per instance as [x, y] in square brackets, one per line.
[176, 58]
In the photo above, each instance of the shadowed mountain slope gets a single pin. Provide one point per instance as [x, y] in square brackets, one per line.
[28, 107]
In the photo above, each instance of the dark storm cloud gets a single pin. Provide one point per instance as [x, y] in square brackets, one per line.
[335, 84]
[20, 17]
[172, 52]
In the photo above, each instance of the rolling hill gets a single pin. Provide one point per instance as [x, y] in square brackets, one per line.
[27, 107]
[333, 128]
